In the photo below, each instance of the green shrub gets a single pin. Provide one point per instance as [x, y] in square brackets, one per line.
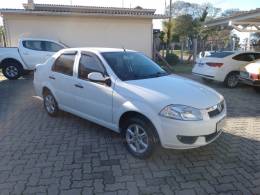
[172, 59]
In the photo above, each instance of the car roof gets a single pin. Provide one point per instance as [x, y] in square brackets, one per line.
[98, 49]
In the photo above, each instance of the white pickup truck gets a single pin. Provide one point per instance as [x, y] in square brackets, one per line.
[15, 62]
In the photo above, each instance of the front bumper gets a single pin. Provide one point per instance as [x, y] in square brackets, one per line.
[177, 134]
[250, 81]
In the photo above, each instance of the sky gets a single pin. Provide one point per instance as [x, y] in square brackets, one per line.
[159, 5]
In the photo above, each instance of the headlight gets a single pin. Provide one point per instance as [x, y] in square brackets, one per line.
[181, 112]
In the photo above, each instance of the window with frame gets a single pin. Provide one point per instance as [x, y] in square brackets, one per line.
[89, 63]
[34, 45]
[247, 57]
[52, 47]
[64, 64]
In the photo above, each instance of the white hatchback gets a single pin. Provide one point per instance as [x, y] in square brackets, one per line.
[128, 93]
[223, 66]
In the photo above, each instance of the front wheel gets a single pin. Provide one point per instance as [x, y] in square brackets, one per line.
[50, 104]
[140, 137]
[231, 80]
[12, 70]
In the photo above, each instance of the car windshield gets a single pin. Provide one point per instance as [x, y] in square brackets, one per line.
[133, 65]
[220, 54]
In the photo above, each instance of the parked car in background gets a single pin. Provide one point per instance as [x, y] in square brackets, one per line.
[250, 75]
[127, 92]
[14, 62]
[223, 66]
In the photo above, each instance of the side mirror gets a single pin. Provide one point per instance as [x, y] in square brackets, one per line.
[98, 77]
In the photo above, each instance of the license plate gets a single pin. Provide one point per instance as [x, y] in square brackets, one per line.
[220, 125]
[200, 64]
[244, 74]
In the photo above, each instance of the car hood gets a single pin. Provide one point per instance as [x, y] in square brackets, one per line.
[173, 89]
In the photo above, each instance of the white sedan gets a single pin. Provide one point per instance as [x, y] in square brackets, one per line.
[223, 66]
[250, 75]
[128, 93]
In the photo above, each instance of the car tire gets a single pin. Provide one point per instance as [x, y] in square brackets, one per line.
[205, 80]
[12, 70]
[232, 80]
[140, 137]
[50, 103]
[257, 89]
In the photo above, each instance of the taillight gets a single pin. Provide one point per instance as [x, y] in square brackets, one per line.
[214, 64]
[254, 76]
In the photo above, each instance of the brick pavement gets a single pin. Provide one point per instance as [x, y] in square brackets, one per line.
[69, 155]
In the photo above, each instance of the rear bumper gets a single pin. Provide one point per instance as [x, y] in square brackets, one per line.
[250, 82]
[203, 75]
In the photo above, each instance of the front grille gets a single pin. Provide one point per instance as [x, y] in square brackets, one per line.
[216, 110]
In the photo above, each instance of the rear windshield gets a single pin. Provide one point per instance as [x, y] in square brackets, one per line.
[222, 54]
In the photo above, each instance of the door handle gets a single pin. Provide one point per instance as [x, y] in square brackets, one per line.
[79, 86]
[51, 77]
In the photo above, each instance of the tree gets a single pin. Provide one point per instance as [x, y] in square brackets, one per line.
[195, 10]
[2, 35]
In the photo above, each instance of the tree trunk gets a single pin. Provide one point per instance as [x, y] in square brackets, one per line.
[195, 49]
[182, 45]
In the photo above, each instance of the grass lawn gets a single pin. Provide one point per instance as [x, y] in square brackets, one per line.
[182, 68]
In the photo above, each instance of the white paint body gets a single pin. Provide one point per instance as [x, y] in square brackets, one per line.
[218, 73]
[28, 58]
[105, 105]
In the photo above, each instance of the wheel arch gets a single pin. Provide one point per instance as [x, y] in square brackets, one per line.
[132, 113]
[231, 72]
[10, 60]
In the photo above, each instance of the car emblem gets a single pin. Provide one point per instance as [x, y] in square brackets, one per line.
[219, 107]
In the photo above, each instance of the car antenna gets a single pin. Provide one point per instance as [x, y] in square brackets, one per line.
[124, 48]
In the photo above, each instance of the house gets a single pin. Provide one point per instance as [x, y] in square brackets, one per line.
[243, 23]
[82, 26]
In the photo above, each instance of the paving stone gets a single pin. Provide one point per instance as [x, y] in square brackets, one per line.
[44, 155]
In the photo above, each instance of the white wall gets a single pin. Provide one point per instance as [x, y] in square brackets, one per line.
[131, 33]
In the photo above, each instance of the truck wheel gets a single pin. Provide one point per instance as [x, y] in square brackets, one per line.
[232, 80]
[139, 137]
[12, 70]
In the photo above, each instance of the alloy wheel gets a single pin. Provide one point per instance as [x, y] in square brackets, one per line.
[50, 103]
[12, 71]
[137, 138]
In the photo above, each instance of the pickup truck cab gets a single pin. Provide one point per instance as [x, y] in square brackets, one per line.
[15, 61]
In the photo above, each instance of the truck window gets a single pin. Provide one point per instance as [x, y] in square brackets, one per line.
[34, 45]
[52, 47]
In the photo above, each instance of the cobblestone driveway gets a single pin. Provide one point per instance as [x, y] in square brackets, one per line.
[70, 156]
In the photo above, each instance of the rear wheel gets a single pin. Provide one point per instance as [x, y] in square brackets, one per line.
[12, 70]
[140, 137]
[232, 80]
[50, 104]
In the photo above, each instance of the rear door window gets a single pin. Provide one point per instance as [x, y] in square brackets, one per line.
[64, 64]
